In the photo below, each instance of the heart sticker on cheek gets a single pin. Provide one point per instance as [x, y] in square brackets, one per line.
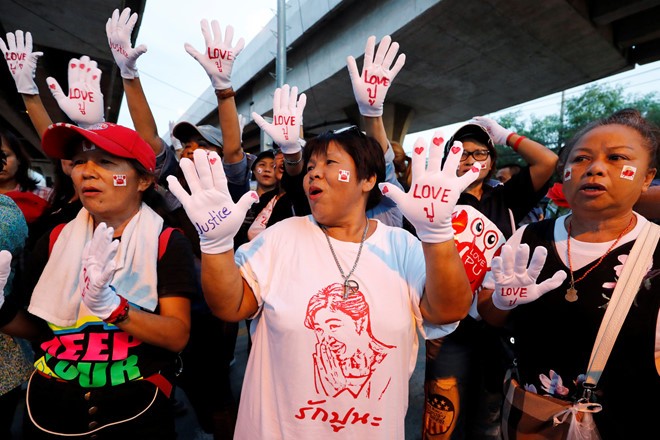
[455, 150]
[438, 141]
[213, 160]
[419, 150]
[385, 190]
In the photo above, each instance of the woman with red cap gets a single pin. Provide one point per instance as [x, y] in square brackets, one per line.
[114, 291]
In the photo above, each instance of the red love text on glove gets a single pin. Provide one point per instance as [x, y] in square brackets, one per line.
[512, 294]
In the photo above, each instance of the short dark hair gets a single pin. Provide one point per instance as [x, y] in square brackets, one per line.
[365, 151]
[628, 117]
[22, 176]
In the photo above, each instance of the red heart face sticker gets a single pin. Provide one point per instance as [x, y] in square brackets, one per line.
[419, 150]
[213, 160]
[438, 141]
[455, 150]
[385, 190]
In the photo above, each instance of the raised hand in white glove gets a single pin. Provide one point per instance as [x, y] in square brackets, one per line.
[218, 58]
[5, 270]
[433, 193]
[98, 268]
[287, 119]
[209, 205]
[84, 104]
[371, 87]
[497, 133]
[22, 62]
[119, 28]
[515, 282]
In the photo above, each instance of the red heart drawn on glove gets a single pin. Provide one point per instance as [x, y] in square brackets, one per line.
[52, 86]
[385, 190]
[73, 65]
[419, 150]
[475, 169]
[438, 141]
[212, 160]
[455, 150]
[94, 76]
[255, 197]
[82, 66]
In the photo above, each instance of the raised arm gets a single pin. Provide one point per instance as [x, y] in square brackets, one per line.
[217, 220]
[370, 87]
[429, 205]
[542, 161]
[119, 28]
[218, 61]
[22, 63]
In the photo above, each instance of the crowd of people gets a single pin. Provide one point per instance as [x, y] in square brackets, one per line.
[127, 278]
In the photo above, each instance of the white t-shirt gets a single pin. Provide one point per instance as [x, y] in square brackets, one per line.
[326, 374]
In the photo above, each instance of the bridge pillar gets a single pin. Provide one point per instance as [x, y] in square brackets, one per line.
[397, 119]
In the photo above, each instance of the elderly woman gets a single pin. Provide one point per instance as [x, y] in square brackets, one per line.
[605, 169]
[114, 291]
[337, 299]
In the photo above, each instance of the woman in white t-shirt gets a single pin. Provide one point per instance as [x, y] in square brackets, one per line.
[336, 299]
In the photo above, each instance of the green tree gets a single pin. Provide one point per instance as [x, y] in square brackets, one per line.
[594, 102]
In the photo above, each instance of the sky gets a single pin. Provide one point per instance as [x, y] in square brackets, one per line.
[173, 80]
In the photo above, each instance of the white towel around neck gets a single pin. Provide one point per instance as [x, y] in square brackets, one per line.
[57, 298]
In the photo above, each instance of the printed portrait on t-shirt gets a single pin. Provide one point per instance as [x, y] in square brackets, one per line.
[347, 354]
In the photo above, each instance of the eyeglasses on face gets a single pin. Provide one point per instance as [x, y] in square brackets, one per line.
[478, 155]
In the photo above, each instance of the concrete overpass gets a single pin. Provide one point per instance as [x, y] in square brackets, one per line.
[464, 57]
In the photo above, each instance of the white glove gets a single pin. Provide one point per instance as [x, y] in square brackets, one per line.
[433, 193]
[98, 268]
[287, 119]
[497, 133]
[209, 205]
[218, 59]
[5, 270]
[119, 28]
[371, 87]
[84, 105]
[515, 282]
[22, 62]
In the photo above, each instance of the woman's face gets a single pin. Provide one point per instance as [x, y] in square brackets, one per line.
[108, 186]
[607, 170]
[196, 142]
[332, 186]
[466, 165]
[265, 173]
[8, 173]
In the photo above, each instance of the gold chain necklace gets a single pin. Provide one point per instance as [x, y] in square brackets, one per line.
[350, 286]
[571, 293]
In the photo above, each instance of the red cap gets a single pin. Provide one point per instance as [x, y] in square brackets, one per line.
[60, 139]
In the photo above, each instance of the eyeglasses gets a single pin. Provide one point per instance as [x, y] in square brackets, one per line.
[478, 155]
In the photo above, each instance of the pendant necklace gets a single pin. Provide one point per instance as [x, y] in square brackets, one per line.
[350, 286]
[571, 292]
